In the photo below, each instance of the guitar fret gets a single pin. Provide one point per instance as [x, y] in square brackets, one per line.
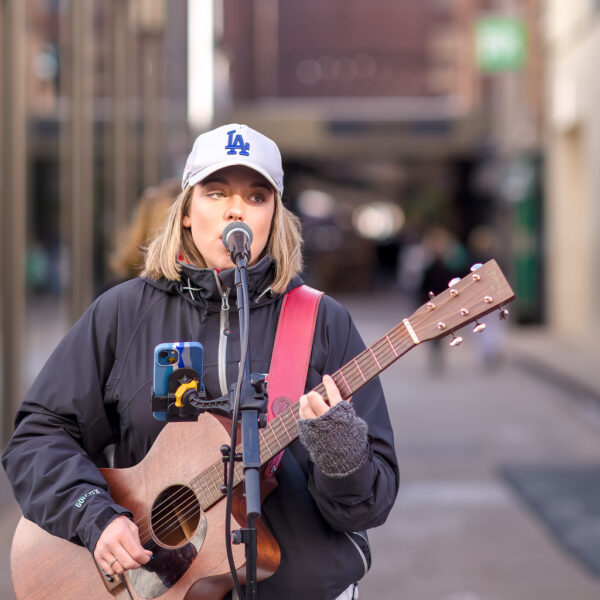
[215, 475]
[204, 497]
[209, 484]
[373, 354]
[294, 416]
[342, 374]
[286, 430]
[360, 370]
[264, 439]
[387, 337]
[212, 476]
[275, 430]
[272, 436]
[197, 486]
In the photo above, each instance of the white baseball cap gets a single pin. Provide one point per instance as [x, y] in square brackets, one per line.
[230, 145]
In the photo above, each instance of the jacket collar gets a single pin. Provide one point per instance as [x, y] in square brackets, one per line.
[207, 286]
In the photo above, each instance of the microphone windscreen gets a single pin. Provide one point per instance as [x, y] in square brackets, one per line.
[236, 226]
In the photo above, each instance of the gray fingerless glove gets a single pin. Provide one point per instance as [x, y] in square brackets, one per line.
[336, 441]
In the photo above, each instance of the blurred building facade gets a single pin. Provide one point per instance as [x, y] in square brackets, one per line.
[93, 108]
[573, 179]
[403, 103]
[390, 118]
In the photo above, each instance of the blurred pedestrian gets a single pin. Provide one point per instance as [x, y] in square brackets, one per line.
[446, 258]
[127, 258]
[484, 244]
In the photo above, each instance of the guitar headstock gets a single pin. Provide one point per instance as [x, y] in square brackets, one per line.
[466, 300]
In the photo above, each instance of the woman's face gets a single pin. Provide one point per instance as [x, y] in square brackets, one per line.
[231, 194]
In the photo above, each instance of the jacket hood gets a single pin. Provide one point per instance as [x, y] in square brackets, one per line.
[205, 286]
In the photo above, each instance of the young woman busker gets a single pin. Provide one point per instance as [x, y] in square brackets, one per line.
[340, 477]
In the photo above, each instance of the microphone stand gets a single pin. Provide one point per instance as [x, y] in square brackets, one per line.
[252, 402]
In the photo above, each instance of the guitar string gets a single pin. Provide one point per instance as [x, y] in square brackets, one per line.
[354, 375]
[366, 373]
[191, 508]
[164, 515]
[417, 320]
[186, 512]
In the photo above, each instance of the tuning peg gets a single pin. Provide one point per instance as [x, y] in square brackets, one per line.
[503, 314]
[451, 284]
[455, 341]
[475, 267]
[431, 304]
[478, 327]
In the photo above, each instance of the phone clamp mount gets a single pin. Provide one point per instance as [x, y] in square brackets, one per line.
[186, 398]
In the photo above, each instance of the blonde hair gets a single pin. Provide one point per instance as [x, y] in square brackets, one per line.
[127, 259]
[284, 244]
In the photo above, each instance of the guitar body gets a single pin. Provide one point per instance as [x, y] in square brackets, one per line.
[190, 559]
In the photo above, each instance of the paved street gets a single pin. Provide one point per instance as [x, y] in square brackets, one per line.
[457, 531]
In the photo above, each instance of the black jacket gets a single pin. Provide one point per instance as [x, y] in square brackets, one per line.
[95, 388]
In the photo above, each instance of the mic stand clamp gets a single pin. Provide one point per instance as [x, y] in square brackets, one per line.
[259, 403]
[186, 399]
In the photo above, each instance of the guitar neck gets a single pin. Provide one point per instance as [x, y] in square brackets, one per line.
[465, 301]
[283, 429]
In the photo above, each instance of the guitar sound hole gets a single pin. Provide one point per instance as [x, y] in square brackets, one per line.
[175, 516]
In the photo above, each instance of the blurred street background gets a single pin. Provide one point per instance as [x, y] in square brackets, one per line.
[418, 137]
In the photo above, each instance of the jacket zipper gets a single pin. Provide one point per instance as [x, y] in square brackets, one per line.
[223, 333]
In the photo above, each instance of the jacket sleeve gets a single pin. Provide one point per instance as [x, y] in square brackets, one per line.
[364, 498]
[61, 427]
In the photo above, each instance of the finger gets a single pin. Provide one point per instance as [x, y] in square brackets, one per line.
[125, 560]
[306, 411]
[317, 403]
[333, 393]
[135, 555]
[107, 565]
[140, 553]
[119, 547]
[105, 558]
[130, 553]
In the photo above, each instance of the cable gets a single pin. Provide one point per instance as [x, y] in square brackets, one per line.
[234, 421]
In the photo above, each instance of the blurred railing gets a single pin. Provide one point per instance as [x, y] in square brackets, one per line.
[13, 199]
[83, 104]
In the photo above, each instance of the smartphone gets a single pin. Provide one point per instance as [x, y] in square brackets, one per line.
[168, 358]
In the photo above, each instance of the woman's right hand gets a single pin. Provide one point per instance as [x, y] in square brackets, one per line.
[119, 549]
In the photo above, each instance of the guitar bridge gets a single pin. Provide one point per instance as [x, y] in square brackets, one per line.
[111, 582]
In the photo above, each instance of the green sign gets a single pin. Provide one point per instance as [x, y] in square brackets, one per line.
[500, 44]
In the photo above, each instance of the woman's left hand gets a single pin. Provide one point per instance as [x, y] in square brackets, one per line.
[313, 405]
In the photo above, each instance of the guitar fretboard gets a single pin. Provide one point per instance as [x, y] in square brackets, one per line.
[283, 429]
[466, 300]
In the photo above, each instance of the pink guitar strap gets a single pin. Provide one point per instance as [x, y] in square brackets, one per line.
[291, 353]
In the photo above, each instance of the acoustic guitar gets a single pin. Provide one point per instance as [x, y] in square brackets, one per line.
[180, 511]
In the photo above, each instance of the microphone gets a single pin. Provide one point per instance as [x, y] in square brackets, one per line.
[237, 238]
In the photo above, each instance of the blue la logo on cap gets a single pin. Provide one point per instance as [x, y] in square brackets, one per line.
[237, 143]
